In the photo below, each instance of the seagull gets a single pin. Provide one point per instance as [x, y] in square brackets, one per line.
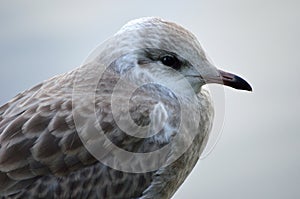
[130, 122]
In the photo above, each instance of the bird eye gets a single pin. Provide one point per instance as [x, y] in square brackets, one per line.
[171, 61]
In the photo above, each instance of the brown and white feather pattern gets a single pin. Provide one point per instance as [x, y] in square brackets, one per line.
[42, 156]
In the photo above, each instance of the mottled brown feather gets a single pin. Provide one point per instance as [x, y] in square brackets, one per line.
[42, 156]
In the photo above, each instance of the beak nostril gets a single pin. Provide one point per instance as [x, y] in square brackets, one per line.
[228, 78]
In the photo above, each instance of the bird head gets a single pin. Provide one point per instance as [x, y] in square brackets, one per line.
[167, 53]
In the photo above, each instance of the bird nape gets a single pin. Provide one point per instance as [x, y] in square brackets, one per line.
[129, 123]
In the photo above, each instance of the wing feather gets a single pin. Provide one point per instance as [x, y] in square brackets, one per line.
[42, 155]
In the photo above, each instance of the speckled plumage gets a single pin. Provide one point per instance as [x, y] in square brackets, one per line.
[41, 153]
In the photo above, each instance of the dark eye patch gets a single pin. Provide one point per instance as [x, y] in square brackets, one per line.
[171, 61]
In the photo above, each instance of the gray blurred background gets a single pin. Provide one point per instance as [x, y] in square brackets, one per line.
[258, 154]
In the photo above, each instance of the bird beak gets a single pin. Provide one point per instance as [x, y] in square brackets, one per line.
[229, 79]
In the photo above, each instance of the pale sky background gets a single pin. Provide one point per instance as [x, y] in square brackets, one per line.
[258, 154]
